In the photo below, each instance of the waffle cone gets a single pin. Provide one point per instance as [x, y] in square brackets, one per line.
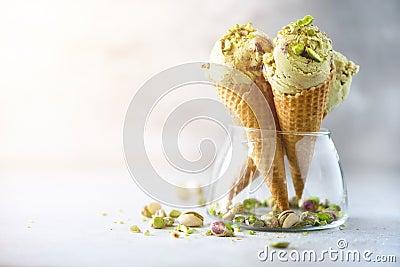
[302, 112]
[235, 100]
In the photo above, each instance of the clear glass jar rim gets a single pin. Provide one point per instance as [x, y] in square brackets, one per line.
[323, 131]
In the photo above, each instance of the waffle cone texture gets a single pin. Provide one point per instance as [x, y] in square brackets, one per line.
[302, 112]
[274, 176]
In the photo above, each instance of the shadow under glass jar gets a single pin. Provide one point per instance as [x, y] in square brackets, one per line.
[316, 189]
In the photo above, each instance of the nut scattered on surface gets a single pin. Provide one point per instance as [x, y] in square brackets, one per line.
[169, 221]
[146, 233]
[153, 207]
[251, 232]
[230, 214]
[160, 213]
[184, 229]
[288, 218]
[157, 223]
[174, 213]
[191, 219]
[150, 209]
[279, 244]
[175, 234]
[221, 229]
[135, 229]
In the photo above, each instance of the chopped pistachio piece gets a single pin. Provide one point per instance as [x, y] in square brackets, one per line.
[175, 234]
[158, 223]
[227, 45]
[146, 233]
[251, 232]
[160, 213]
[311, 32]
[279, 244]
[334, 206]
[251, 220]
[135, 229]
[315, 199]
[184, 229]
[174, 213]
[305, 21]
[304, 233]
[250, 203]
[314, 55]
[208, 233]
[240, 219]
[298, 49]
[324, 217]
[169, 221]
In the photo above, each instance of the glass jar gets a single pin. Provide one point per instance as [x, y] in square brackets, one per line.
[315, 186]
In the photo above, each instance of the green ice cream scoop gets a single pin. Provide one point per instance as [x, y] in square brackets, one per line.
[340, 86]
[301, 59]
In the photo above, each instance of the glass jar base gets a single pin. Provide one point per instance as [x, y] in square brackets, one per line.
[331, 225]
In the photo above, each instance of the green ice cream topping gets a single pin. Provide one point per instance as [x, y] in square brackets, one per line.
[302, 57]
[305, 21]
[298, 49]
[242, 47]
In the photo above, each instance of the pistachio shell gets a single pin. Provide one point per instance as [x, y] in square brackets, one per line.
[290, 220]
[191, 219]
[153, 207]
[230, 214]
[160, 213]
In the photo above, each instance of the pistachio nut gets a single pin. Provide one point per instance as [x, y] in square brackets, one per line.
[279, 244]
[335, 207]
[153, 207]
[160, 213]
[150, 209]
[169, 221]
[230, 214]
[288, 218]
[314, 55]
[251, 232]
[270, 220]
[221, 229]
[309, 218]
[251, 219]
[184, 229]
[239, 207]
[191, 219]
[146, 213]
[309, 205]
[324, 203]
[239, 219]
[157, 223]
[174, 213]
[135, 229]
[258, 223]
[322, 216]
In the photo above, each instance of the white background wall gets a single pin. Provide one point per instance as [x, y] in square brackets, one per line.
[68, 70]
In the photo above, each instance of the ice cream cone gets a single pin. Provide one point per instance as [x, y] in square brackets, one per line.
[242, 49]
[300, 70]
[302, 112]
[273, 176]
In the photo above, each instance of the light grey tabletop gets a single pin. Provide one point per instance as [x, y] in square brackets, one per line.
[54, 219]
